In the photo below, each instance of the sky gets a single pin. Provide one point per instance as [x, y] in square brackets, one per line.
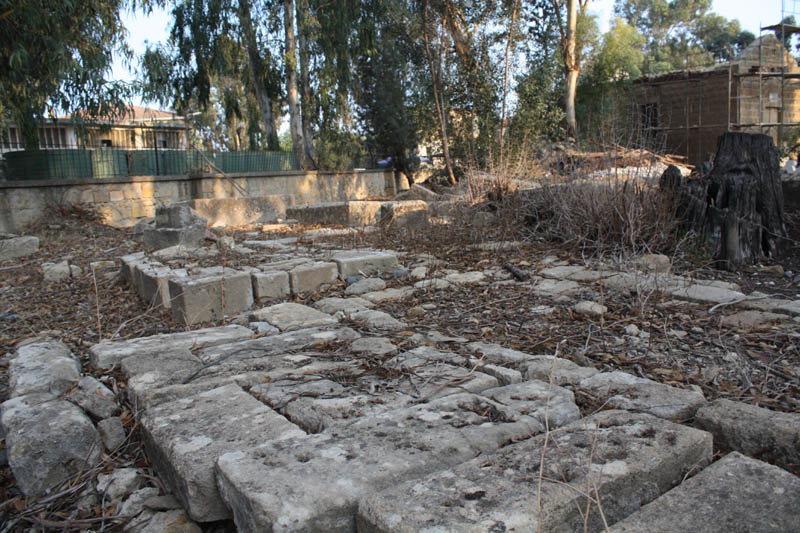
[752, 14]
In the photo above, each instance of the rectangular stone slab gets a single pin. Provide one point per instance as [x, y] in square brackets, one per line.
[735, 494]
[107, 354]
[314, 484]
[206, 298]
[366, 262]
[184, 438]
[626, 458]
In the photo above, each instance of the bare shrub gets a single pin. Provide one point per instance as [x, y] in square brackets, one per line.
[621, 213]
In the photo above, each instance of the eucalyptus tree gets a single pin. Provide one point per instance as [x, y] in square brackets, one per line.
[56, 57]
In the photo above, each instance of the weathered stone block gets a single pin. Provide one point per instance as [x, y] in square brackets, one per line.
[270, 285]
[410, 214]
[623, 459]
[184, 439]
[18, 247]
[107, 354]
[45, 365]
[734, 494]
[48, 441]
[754, 431]
[308, 277]
[348, 462]
[206, 298]
[366, 262]
[618, 390]
[291, 316]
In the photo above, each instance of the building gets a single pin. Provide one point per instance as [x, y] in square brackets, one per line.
[141, 128]
[758, 92]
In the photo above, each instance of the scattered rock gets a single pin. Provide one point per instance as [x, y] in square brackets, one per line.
[43, 365]
[377, 320]
[94, 398]
[60, 271]
[416, 311]
[466, 278]
[172, 522]
[291, 316]
[419, 272]
[48, 441]
[119, 483]
[112, 432]
[654, 262]
[353, 278]
[14, 247]
[374, 346]
[364, 286]
[745, 320]
[592, 309]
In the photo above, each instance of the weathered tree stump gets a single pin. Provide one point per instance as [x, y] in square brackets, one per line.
[738, 207]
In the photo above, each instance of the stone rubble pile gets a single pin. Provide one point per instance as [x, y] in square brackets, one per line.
[310, 418]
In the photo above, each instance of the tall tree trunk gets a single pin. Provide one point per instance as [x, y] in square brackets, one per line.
[295, 113]
[258, 75]
[438, 92]
[509, 42]
[572, 67]
[306, 97]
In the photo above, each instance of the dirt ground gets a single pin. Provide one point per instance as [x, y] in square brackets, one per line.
[83, 310]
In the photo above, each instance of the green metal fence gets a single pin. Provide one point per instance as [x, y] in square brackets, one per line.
[103, 163]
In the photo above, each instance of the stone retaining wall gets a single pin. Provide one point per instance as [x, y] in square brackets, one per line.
[122, 201]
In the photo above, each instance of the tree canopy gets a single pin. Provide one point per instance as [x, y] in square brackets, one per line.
[55, 57]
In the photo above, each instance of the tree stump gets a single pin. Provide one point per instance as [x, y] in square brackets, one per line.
[738, 207]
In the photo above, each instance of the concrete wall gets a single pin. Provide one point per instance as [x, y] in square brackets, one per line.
[243, 198]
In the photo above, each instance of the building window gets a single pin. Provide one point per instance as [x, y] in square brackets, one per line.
[106, 143]
[52, 137]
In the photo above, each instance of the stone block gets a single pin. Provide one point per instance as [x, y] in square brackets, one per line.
[388, 294]
[43, 366]
[18, 247]
[291, 316]
[755, 431]
[128, 262]
[621, 459]
[365, 285]
[270, 285]
[619, 390]
[48, 441]
[160, 238]
[404, 214]
[315, 483]
[556, 369]
[94, 398]
[207, 298]
[308, 277]
[362, 213]
[374, 319]
[343, 306]
[184, 438]
[151, 281]
[494, 353]
[366, 262]
[107, 354]
[327, 213]
[735, 494]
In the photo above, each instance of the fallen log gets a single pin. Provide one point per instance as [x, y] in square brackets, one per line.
[738, 207]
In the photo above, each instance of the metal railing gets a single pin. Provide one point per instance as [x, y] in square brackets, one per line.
[104, 163]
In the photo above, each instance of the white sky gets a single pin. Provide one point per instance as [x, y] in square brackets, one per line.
[752, 14]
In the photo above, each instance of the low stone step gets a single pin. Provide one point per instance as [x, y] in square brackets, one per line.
[315, 483]
[736, 494]
[365, 262]
[548, 483]
[184, 438]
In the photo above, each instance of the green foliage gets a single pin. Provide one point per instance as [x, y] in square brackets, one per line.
[54, 57]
